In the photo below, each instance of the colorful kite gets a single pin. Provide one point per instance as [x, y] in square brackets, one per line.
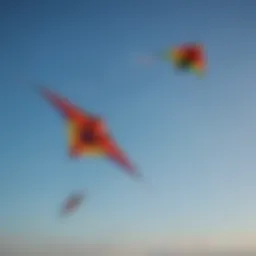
[188, 57]
[72, 203]
[184, 57]
[88, 134]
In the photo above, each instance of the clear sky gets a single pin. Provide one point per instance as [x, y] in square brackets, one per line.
[193, 138]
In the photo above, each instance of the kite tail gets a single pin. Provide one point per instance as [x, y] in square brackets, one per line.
[147, 184]
[149, 187]
[139, 177]
[151, 59]
[147, 60]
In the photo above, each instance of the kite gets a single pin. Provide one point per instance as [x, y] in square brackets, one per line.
[88, 134]
[72, 203]
[188, 57]
[185, 57]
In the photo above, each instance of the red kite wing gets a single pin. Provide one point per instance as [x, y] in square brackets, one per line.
[114, 152]
[69, 110]
[103, 146]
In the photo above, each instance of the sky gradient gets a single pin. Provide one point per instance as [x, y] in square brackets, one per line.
[193, 138]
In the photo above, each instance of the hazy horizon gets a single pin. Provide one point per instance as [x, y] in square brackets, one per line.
[69, 246]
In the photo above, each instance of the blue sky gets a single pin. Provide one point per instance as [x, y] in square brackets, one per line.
[193, 138]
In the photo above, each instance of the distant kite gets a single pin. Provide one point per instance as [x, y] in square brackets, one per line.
[190, 56]
[72, 203]
[88, 134]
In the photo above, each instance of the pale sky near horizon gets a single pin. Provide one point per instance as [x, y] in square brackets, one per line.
[193, 138]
